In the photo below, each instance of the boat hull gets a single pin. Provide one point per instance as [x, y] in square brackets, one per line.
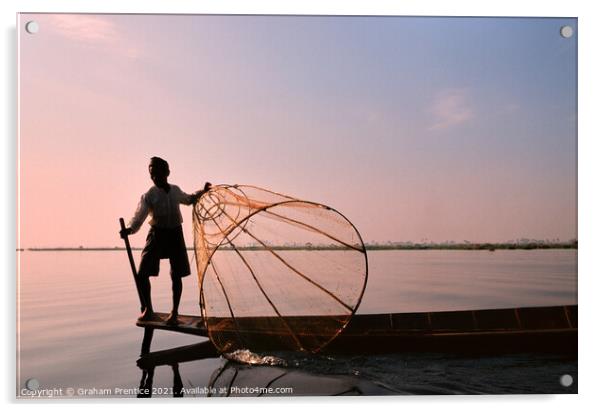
[532, 329]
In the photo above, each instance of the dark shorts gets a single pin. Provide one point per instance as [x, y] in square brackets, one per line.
[164, 243]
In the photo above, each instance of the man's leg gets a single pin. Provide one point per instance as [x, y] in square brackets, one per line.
[145, 289]
[176, 288]
[149, 266]
[178, 261]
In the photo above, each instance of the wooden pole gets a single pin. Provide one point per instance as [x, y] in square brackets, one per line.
[133, 266]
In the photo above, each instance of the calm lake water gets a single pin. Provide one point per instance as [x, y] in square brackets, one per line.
[77, 330]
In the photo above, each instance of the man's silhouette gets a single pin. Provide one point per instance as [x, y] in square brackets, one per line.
[165, 239]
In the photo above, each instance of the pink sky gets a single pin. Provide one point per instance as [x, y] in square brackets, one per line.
[409, 141]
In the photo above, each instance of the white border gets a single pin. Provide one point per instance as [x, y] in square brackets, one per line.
[590, 205]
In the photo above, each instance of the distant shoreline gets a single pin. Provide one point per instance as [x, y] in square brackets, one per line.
[405, 246]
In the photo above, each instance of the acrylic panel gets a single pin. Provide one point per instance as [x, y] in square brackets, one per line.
[262, 205]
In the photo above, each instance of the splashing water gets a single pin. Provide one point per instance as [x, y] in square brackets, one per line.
[247, 357]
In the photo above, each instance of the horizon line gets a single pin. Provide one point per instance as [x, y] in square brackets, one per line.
[371, 244]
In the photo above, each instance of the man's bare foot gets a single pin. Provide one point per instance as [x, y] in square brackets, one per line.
[148, 314]
[172, 319]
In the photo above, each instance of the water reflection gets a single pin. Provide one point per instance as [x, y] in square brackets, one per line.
[233, 379]
[146, 383]
[148, 361]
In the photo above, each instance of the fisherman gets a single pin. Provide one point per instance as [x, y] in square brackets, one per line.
[165, 239]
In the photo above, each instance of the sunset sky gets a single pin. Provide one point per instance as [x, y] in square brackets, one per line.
[414, 128]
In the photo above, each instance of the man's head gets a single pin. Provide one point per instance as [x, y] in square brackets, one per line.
[159, 170]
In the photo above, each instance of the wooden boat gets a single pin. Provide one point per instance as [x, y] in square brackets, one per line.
[528, 329]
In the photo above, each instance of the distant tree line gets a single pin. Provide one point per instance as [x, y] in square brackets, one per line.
[522, 245]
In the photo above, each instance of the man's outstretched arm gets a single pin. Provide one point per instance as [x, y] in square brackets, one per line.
[192, 199]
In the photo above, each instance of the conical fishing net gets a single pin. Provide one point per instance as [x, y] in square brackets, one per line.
[275, 272]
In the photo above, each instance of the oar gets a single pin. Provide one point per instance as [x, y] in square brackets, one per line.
[132, 265]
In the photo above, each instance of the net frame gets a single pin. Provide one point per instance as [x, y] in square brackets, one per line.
[206, 246]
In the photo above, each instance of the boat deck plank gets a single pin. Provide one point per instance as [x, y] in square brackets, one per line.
[189, 324]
